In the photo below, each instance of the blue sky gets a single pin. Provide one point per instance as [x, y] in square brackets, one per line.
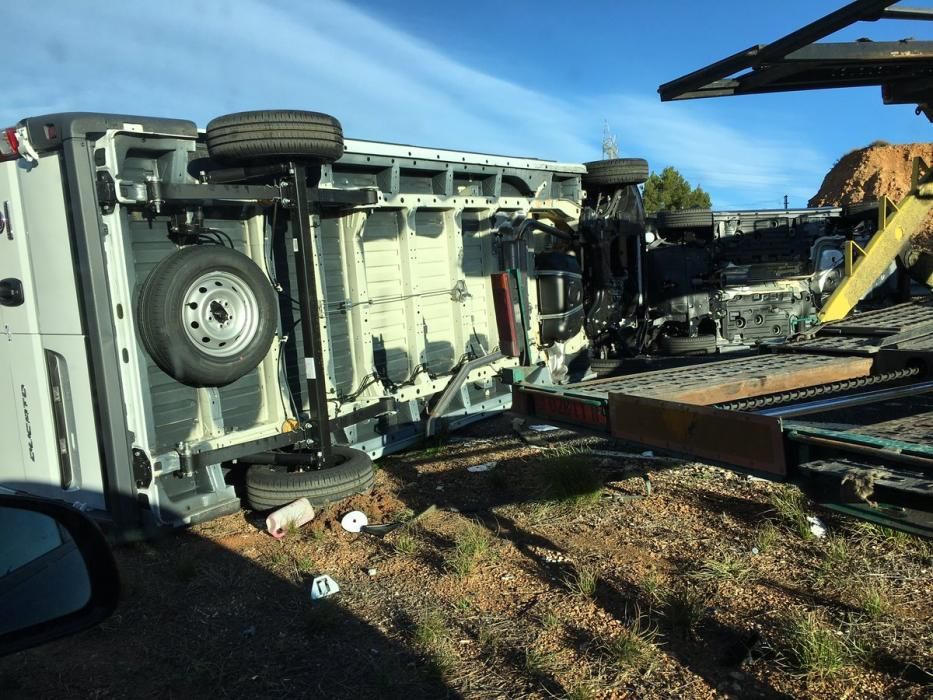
[518, 77]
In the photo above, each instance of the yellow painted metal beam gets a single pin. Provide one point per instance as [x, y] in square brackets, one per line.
[895, 229]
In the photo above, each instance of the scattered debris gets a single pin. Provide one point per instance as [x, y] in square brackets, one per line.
[289, 517]
[817, 527]
[860, 485]
[354, 521]
[550, 556]
[543, 428]
[484, 467]
[372, 571]
[323, 587]
[249, 631]
[384, 529]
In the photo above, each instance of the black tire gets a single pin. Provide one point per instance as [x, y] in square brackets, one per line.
[269, 486]
[863, 211]
[607, 367]
[275, 134]
[238, 297]
[685, 219]
[687, 345]
[618, 171]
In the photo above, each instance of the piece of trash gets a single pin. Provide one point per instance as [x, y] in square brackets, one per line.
[371, 571]
[543, 428]
[289, 517]
[816, 527]
[249, 631]
[484, 467]
[439, 488]
[354, 521]
[323, 586]
[755, 551]
[384, 529]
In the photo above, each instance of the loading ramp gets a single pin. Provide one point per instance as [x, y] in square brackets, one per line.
[846, 414]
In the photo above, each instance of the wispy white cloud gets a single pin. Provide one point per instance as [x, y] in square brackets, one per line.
[382, 82]
[749, 166]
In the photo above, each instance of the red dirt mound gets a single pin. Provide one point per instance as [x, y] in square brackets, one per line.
[867, 173]
[863, 175]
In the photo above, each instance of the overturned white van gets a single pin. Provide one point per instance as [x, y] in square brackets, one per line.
[263, 301]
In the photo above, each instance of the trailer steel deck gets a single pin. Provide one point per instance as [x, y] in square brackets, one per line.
[846, 414]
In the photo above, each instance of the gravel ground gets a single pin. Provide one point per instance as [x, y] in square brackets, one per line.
[552, 574]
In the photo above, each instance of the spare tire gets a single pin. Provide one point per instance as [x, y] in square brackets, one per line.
[269, 486]
[606, 368]
[687, 345]
[206, 315]
[684, 219]
[617, 171]
[275, 134]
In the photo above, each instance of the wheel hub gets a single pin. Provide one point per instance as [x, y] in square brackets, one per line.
[220, 314]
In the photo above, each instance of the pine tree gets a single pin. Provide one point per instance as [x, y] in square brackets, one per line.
[670, 190]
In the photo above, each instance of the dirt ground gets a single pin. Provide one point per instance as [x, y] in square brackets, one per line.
[550, 575]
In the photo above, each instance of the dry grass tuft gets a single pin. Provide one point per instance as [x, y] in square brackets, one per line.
[727, 567]
[471, 546]
[582, 581]
[813, 647]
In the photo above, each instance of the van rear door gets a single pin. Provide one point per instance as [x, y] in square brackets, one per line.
[48, 443]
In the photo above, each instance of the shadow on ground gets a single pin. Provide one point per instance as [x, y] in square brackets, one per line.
[719, 649]
[200, 620]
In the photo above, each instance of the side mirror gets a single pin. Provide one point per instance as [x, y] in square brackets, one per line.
[57, 573]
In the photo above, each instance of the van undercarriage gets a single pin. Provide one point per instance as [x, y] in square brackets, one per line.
[270, 302]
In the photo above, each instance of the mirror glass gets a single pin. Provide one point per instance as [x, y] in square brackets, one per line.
[43, 575]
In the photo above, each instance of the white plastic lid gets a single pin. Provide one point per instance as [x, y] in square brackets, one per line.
[354, 520]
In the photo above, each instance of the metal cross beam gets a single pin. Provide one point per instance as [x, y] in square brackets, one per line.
[903, 69]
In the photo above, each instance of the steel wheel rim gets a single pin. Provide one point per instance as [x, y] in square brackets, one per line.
[220, 314]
